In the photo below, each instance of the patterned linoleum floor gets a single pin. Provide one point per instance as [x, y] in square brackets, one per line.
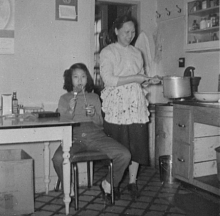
[156, 199]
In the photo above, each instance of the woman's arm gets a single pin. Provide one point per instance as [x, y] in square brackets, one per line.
[139, 78]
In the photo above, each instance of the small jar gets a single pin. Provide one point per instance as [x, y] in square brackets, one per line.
[214, 37]
[203, 23]
[204, 4]
[208, 23]
[211, 3]
[216, 2]
[214, 20]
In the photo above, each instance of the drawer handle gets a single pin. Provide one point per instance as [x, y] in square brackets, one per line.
[182, 125]
[181, 160]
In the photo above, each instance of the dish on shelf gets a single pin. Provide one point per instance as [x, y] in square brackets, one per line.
[207, 96]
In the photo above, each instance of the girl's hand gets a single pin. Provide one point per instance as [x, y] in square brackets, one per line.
[72, 104]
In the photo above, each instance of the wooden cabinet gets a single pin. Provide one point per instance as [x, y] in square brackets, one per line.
[202, 26]
[169, 9]
[181, 135]
[196, 134]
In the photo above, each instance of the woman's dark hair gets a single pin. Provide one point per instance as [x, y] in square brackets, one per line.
[68, 84]
[118, 23]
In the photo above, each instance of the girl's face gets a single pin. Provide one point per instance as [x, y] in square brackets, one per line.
[126, 33]
[79, 78]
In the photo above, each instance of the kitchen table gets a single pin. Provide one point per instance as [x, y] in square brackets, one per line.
[30, 129]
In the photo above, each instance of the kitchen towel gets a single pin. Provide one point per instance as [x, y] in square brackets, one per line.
[142, 43]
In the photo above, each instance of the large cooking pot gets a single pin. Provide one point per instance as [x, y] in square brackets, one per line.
[176, 87]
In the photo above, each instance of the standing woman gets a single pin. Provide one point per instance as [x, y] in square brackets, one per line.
[124, 103]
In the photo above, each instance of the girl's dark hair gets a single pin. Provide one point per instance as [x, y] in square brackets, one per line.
[118, 23]
[68, 84]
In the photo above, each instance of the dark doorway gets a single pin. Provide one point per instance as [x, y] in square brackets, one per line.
[105, 14]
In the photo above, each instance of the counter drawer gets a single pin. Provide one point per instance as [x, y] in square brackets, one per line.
[181, 125]
[181, 160]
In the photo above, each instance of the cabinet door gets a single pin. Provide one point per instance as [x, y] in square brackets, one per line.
[181, 160]
[202, 26]
[181, 142]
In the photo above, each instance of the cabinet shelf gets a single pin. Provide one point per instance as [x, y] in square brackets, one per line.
[205, 11]
[207, 30]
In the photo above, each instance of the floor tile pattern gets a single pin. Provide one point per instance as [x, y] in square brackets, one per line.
[156, 199]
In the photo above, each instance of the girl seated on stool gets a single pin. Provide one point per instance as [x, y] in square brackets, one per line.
[88, 134]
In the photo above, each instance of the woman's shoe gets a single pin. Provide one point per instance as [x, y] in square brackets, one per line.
[133, 190]
[105, 196]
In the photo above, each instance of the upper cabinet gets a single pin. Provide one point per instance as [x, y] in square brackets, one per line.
[202, 26]
[169, 9]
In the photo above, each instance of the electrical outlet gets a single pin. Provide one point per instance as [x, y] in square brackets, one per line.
[181, 62]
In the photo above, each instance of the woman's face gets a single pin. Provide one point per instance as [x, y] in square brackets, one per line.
[79, 79]
[126, 33]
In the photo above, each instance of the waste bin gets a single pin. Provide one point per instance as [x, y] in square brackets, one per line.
[163, 131]
[16, 183]
[218, 161]
[165, 167]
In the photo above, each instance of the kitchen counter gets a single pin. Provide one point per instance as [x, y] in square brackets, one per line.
[206, 113]
[198, 103]
[196, 134]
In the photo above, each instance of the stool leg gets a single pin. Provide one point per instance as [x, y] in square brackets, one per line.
[111, 181]
[88, 174]
[75, 174]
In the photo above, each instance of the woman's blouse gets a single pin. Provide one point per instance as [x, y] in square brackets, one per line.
[124, 104]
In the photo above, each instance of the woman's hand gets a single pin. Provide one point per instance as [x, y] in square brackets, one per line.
[152, 81]
[155, 80]
[141, 78]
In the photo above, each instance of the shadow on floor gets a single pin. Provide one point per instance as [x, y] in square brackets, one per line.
[193, 204]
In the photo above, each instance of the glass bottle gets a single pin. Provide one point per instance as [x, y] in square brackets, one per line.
[14, 103]
[195, 25]
[211, 3]
[214, 20]
[204, 4]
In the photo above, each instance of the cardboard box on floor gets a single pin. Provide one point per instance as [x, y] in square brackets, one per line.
[16, 183]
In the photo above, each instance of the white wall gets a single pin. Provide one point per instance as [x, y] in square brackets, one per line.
[44, 48]
[171, 37]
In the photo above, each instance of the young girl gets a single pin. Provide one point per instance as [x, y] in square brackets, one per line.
[88, 134]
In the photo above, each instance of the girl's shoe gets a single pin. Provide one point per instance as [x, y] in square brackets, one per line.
[117, 193]
[133, 190]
